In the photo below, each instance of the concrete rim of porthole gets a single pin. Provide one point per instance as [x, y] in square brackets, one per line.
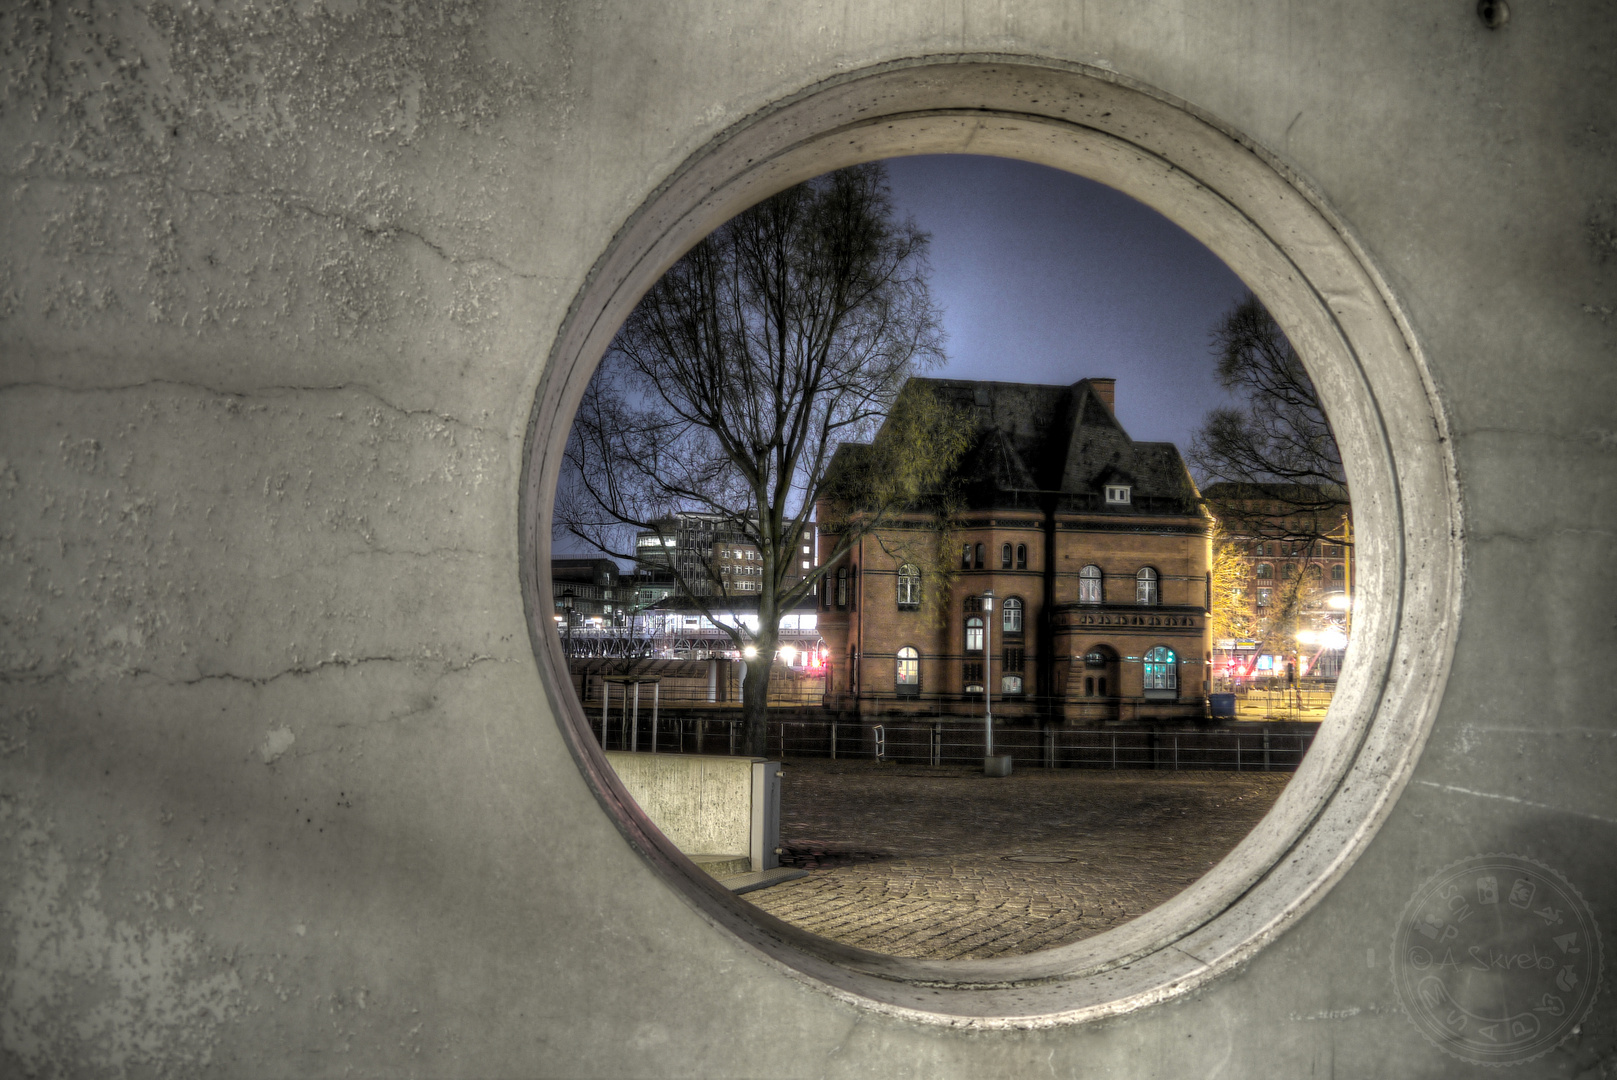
[1282, 239]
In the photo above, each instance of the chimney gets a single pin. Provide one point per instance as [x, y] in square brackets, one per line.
[1106, 390]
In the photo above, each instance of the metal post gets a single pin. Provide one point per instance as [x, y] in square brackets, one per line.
[833, 740]
[656, 694]
[634, 723]
[1238, 753]
[1265, 751]
[1176, 753]
[732, 724]
[1114, 753]
[605, 694]
[988, 673]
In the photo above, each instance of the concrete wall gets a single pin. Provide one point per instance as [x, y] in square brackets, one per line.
[284, 792]
[701, 803]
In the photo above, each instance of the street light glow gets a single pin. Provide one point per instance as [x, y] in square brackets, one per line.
[749, 652]
[1307, 637]
[788, 654]
[1340, 601]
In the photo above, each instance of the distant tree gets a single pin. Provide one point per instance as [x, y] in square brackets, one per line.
[1296, 594]
[1272, 465]
[1231, 615]
[787, 332]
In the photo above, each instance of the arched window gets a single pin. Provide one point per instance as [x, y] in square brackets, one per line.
[974, 634]
[842, 586]
[1265, 571]
[1161, 669]
[1145, 586]
[1011, 617]
[909, 587]
[1338, 572]
[1005, 557]
[907, 678]
[1089, 585]
[981, 554]
[1021, 556]
[965, 556]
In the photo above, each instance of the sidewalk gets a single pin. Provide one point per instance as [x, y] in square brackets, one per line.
[942, 862]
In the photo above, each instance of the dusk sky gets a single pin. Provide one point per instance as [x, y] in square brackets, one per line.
[1047, 277]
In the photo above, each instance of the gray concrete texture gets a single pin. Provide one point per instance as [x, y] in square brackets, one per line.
[282, 788]
[703, 804]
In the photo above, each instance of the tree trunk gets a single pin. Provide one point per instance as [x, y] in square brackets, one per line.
[755, 697]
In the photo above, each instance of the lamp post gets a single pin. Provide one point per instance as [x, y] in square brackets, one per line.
[567, 613]
[988, 671]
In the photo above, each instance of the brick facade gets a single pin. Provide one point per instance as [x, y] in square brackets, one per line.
[1077, 657]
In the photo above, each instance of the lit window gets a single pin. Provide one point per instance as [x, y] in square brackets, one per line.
[1021, 556]
[909, 586]
[1089, 585]
[805, 564]
[1263, 598]
[806, 549]
[965, 556]
[974, 634]
[1265, 572]
[908, 675]
[1005, 557]
[1010, 684]
[1145, 586]
[1117, 494]
[1161, 672]
[1011, 617]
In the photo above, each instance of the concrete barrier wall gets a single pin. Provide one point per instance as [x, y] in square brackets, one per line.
[700, 802]
[282, 790]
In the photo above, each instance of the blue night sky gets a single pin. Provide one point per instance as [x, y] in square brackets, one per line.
[1047, 277]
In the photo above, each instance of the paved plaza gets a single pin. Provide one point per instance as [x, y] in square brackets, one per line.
[943, 863]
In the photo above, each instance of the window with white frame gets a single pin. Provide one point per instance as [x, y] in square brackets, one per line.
[909, 587]
[1011, 615]
[1089, 585]
[1145, 586]
[1161, 669]
[907, 677]
[1117, 494]
[974, 634]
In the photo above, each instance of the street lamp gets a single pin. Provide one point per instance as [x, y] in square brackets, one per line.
[988, 671]
[567, 613]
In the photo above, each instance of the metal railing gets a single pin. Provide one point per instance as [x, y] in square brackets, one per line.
[962, 744]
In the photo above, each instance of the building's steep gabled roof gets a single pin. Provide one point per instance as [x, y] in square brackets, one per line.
[1033, 443]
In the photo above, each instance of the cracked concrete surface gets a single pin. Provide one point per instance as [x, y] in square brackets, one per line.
[280, 789]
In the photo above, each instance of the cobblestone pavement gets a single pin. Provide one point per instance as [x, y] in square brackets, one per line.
[943, 862]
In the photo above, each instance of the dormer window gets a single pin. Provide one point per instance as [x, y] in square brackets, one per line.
[1117, 494]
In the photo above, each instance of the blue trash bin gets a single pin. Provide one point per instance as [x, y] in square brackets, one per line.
[1222, 706]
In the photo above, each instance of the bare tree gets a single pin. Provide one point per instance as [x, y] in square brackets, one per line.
[790, 330]
[1270, 469]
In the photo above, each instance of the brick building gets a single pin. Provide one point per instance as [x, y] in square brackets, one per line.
[1094, 546]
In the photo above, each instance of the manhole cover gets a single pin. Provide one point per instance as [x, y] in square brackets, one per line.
[1035, 858]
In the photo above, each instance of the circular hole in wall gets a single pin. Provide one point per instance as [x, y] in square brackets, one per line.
[1301, 262]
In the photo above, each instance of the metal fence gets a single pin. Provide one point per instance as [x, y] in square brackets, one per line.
[962, 744]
